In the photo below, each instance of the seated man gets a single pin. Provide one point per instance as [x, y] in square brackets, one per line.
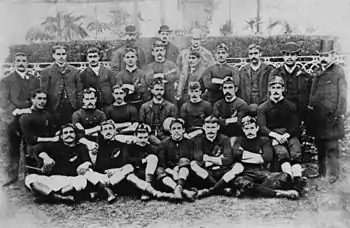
[175, 154]
[278, 119]
[230, 110]
[62, 161]
[155, 111]
[110, 169]
[213, 156]
[121, 112]
[254, 153]
[141, 155]
[194, 111]
[89, 118]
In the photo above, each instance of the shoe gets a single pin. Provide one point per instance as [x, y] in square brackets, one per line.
[189, 195]
[10, 181]
[145, 197]
[299, 184]
[64, 199]
[93, 196]
[332, 179]
[203, 193]
[289, 194]
[178, 192]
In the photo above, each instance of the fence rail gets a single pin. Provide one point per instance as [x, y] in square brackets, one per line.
[308, 63]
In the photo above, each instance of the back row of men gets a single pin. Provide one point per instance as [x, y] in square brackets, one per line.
[134, 92]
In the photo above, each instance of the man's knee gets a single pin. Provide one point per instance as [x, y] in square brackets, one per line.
[281, 154]
[295, 150]
[128, 168]
[152, 159]
[243, 183]
[253, 109]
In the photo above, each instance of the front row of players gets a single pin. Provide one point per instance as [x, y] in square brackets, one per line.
[181, 163]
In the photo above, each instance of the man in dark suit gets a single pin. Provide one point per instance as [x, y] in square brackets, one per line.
[99, 77]
[63, 86]
[327, 107]
[16, 91]
[117, 59]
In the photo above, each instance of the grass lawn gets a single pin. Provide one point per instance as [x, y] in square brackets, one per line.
[324, 206]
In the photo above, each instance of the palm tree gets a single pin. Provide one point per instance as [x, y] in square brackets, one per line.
[37, 34]
[65, 26]
[97, 26]
[288, 29]
[119, 19]
[227, 28]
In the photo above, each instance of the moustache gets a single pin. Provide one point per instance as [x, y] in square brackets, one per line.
[228, 94]
[254, 59]
[69, 137]
[275, 93]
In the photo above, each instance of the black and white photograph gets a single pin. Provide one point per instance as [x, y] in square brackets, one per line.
[175, 113]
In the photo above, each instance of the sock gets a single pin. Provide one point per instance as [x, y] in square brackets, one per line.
[149, 178]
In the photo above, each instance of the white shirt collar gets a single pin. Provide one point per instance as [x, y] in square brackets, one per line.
[96, 69]
[131, 69]
[288, 69]
[23, 74]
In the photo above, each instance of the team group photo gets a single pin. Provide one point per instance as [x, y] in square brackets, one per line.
[175, 125]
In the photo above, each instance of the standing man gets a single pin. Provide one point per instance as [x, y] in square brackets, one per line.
[155, 111]
[135, 78]
[253, 79]
[117, 63]
[16, 91]
[193, 73]
[214, 74]
[163, 68]
[278, 119]
[327, 107]
[61, 82]
[297, 81]
[172, 52]
[196, 40]
[230, 110]
[99, 77]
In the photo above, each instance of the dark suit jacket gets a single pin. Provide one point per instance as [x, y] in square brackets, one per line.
[16, 92]
[50, 82]
[103, 83]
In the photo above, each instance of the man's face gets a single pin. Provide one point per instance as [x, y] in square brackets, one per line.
[251, 130]
[158, 53]
[195, 95]
[39, 101]
[221, 55]
[164, 37]
[119, 95]
[130, 59]
[196, 41]
[254, 56]
[229, 90]
[142, 138]
[193, 60]
[326, 59]
[158, 91]
[211, 130]
[89, 101]
[108, 131]
[21, 63]
[130, 39]
[177, 131]
[290, 58]
[93, 59]
[68, 135]
[60, 56]
[276, 91]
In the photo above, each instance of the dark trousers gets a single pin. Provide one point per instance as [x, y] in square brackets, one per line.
[289, 152]
[328, 152]
[64, 112]
[14, 139]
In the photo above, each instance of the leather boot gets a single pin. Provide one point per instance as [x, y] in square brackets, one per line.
[178, 192]
[110, 195]
[189, 195]
[64, 199]
[159, 195]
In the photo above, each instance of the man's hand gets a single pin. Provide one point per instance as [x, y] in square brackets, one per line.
[48, 164]
[280, 138]
[110, 172]
[274, 142]
[55, 138]
[83, 168]
[159, 75]
[92, 146]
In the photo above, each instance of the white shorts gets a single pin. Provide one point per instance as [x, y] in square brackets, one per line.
[57, 182]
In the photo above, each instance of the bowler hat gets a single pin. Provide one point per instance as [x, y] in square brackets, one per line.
[276, 80]
[130, 29]
[291, 47]
[326, 46]
[164, 28]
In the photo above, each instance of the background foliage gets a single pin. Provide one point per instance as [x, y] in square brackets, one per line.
[271, 46]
